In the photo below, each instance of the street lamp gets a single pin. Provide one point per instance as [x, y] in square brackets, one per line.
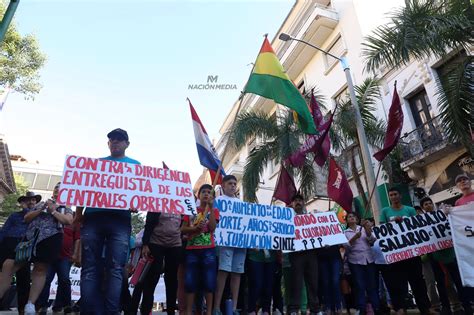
[369, 171]
[7, 18]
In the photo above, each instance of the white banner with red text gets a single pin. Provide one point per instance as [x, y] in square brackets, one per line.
[413, 236]
[316, 230]
[100, 183]
[75, 277]
[461, 219]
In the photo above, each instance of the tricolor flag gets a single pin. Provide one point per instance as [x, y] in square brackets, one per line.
[269, 79]
[206, 151]
[3, 96]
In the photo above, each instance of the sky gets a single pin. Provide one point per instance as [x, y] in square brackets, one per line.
[128, 64]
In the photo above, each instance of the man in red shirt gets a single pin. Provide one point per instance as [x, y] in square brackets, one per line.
[463, 183]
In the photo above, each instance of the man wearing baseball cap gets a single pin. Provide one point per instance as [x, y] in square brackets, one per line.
[105, 232]
[463, 183]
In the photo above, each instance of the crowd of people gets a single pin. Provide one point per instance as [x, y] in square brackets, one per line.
[44, 239]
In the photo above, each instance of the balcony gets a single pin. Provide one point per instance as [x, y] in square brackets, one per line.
[315, 26]
[425, 144]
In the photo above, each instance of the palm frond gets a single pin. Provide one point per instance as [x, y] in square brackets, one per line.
[418, 30]
[456, 101]
[254, 167]
[307, 177]
[249, 125]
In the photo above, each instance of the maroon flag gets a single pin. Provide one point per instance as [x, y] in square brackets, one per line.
[338, 186]
[285, 188]
[394, 127]
[165, 166]
[312, 144]
[322, 154]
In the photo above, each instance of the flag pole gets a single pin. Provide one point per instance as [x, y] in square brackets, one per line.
[378, 171]
[241, 98]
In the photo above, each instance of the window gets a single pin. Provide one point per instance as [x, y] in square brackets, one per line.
[420, 108]
[29, 178]
[337, 49]
[53, 181]
[42, 181]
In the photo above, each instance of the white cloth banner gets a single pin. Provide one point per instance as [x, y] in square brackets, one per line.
[75, 276]
[250, 225]
[413, 236]
[315, 230]
[461, 219]
[110, 184]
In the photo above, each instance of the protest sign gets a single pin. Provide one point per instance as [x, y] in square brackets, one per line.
[110, 184]
[75, 277]
[315, 230]
[413, 236]
[461, 220]
[251, 225]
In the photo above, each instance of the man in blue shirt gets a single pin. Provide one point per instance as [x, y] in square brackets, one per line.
[105, 230]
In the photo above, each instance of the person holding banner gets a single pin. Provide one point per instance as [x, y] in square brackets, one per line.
[12, 233]
[397, 275]
[303, 268]
[61, 266]
[231, 260]
[100, 227]
[361, 262]
[447, 259]
[463, 183]
[200, 249]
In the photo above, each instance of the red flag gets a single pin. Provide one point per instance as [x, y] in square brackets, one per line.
[338, 186]
[322, 154]
[285, 188]
[394, 127]
[312, 144]
[165, 166]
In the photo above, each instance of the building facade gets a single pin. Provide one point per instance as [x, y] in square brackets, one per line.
[41, 178]
[7, 182]
[339, 27]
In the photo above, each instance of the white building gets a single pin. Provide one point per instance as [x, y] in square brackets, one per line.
[41, 178]
[339, 26]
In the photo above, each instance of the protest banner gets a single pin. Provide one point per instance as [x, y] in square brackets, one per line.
[461, 219]
[251, 225]
[75, 277]
[316, 230]
[413, 236]
[110, 184]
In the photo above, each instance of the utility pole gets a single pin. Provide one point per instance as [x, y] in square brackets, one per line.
[7, 18]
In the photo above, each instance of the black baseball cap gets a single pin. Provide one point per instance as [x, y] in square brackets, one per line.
[118, 134]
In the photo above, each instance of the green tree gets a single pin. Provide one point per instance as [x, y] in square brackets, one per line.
[344, 131]
[9, 203]
[138, 222]
[278, 136]
[20, 61]
[425, 28]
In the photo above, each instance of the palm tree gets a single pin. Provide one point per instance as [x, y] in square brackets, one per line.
[278, 136]
[425, 28]
[344, 131]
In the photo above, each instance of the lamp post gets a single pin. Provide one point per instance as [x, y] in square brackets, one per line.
[7, 18]
[369, 171]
